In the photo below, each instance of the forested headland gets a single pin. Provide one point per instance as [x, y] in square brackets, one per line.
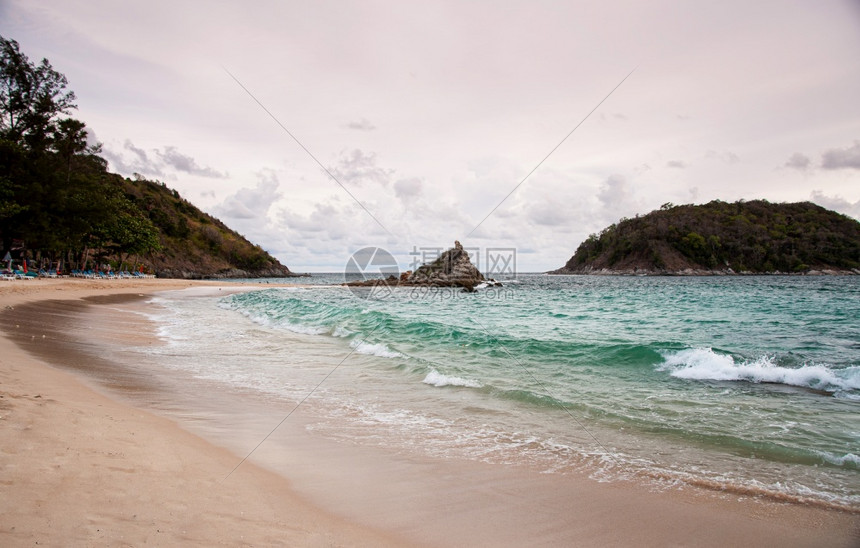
[59, 204]
[756, 237]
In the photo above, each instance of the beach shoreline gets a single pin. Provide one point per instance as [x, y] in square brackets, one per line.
[128, 476]
[80, 468]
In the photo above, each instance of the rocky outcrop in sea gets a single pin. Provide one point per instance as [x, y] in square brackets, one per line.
[453, 268]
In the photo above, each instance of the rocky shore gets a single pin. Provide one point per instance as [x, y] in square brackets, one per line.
[592, 271]
[226, 274]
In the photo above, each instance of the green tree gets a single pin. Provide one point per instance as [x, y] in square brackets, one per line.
[32, 97]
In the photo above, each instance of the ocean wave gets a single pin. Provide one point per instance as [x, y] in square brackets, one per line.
[341, 332]
[374, 349]
[267, 321]
[703, 364]
[434, 378]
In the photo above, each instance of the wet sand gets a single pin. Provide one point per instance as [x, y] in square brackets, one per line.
[81, 463]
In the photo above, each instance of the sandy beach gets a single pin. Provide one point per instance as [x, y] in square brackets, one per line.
[79, 469]
[80, 465]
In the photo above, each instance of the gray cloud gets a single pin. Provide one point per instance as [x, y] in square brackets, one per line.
[694, 193]
[171, 157]
[139, 161]
[799, 161]
[361, 125]
[677, 164]
[139, 153]
[549, 213]
[133, 159]
[842, 158]
[615, 115]
[836, 203]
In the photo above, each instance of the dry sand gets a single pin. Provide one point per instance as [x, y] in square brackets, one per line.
[79, 468]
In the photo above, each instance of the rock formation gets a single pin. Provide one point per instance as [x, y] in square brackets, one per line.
[453, 268]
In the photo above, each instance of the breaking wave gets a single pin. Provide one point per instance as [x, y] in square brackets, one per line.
[434, 378]
[703, 364]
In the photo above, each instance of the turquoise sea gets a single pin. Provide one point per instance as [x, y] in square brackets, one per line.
[749, 385]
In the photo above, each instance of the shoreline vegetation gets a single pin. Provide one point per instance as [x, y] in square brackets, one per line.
[85, 466]
[62, 210]
[724, 239]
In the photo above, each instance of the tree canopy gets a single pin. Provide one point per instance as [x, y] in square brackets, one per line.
[755, 236]
[56, 196]
[59, 202]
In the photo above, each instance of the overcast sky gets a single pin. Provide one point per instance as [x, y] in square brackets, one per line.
[430, 113]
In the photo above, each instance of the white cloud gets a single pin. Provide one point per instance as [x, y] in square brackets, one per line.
[408, 189]
[358, 167]
[615, 193]
[251, 203]
[550, 213]
[725, 156]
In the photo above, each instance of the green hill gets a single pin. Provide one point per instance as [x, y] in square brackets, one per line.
[193, 244]
[718, 237]
[58, 202]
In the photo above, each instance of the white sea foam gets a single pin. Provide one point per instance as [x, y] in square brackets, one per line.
[377, 349]
[849, 460]
[437, 379]
[705, 364]
[341, 332]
